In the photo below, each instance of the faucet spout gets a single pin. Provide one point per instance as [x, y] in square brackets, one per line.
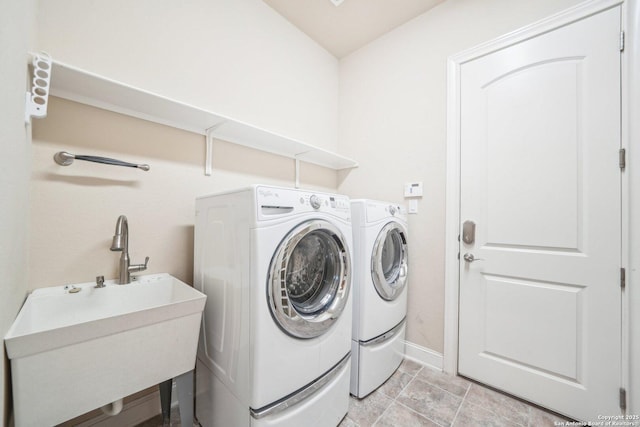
[121, 236]
[121, 244]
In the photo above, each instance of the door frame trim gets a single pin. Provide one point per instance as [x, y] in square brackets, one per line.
[452, 228]
[631, 204]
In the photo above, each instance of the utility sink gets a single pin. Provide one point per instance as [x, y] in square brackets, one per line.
[75, 348]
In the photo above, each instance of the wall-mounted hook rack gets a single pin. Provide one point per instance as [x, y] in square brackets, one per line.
[65, 159]
[38, 98]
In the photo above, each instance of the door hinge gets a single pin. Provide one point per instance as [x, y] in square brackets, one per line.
[623, 398]
[621, 41]
[622, 158]
[623, 278]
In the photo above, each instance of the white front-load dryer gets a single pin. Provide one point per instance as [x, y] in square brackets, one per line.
[275, 342]
[380, 293]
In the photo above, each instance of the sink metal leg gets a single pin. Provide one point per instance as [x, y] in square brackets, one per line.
[165, 401]
[184, 384]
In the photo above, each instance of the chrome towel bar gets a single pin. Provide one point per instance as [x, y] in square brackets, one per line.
[65, 159]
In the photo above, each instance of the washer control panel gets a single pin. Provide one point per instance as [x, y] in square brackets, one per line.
[274, 201]
[340, 203]
[315, 201]
[318, 201]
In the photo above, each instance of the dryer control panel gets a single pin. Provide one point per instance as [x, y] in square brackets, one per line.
[379, 211]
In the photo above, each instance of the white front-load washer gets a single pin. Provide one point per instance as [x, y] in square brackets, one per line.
[275, 264]
[379, 293]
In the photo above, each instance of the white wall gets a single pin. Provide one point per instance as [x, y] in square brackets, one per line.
[393, 121]
[16, 32]
[238, 58]
[74, 209]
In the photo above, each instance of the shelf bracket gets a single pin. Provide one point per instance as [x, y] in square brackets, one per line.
[208, 159]
[297, 167]
[297, 184]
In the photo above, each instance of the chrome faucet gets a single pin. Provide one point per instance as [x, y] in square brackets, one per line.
[121, 244]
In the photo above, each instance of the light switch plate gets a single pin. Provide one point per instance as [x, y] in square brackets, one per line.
[413, 206]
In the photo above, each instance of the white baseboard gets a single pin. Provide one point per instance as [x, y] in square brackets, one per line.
[424, 356]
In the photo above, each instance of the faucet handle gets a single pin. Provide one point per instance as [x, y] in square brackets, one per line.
[99, 282]
[139, 267]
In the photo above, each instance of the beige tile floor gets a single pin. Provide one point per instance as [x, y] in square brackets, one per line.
[420, 396]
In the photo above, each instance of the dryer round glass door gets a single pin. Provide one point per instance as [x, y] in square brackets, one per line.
[389, 261]
[309, 279]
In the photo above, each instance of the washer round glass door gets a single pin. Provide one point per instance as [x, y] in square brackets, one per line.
[389, 261]
[309, 279]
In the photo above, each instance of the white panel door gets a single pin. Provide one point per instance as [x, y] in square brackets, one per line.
[540, 132]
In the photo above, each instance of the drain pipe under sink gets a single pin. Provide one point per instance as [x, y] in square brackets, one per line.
[112, 408]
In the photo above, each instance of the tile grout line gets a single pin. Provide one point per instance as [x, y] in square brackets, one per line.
[415, 376]
[461, 403]
[395, 399]
[500, 403]
[446, 391]
[420, 414]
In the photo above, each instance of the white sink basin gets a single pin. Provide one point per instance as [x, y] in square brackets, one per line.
[74, 351]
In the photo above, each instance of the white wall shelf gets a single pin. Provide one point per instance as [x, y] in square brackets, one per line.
[81, 86]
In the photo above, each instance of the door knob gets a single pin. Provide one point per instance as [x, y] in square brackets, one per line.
[470, 258]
